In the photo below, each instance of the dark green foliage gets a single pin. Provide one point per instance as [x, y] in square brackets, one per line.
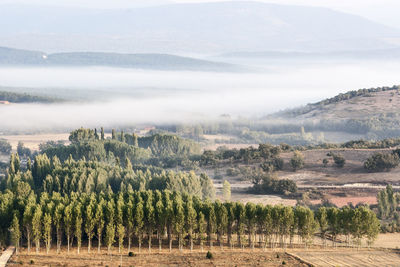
[209, 255]
[271, 185]
[338, 159]
[381, 162]
[23, 151]
[131, 254]
[5, 146]
[297, 161]
[26, 98]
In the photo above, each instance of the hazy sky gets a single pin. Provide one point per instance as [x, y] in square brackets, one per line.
[383, 11]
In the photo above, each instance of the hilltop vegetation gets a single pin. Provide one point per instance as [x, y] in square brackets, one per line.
[12, 57]
[26, 98]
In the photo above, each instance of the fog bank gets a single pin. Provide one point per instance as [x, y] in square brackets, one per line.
[139, 96]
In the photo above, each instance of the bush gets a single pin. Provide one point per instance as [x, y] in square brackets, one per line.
[283, 262]
[381, 162]
[131, 254]
[232, 172]
[325, 162]
[32, 262]
[339, 160]
[297, 161]
[209, 255]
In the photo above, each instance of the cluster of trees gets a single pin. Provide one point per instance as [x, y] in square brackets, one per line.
[264, 152]
[388, 203]
[5, 147]
[50, 175]
[23, 151]
[136, 218]
[158, 150]
[25, 98]
[380, 162]
[267, 183]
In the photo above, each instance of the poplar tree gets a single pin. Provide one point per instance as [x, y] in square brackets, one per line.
[211, 222]
[149, 215]
[102, 133]
[322, 218]
[138, 225]
[37, 226]
[68, 223]
[201, 226]
[250, 211]
[179, 218]
[240, 217]
[168, 215]
[191, 216]
[120, 222]
[47, 231]
[159, 217]
[110, 236]
[229, 206]
[99, 221]
[27, 222]
[226, 191]
[221, 221]
[58, 216]
[78, 225]
[15, 232]
[129, 221]
[113, 136]
[90, 222]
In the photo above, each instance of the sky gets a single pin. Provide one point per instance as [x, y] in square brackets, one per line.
[383, 11]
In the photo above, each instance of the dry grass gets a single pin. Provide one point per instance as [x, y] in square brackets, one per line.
[176, 258]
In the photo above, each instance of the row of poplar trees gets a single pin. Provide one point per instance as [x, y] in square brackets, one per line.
[136, 218]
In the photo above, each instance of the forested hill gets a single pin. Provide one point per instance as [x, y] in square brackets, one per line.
[26, 98]
[353, 104]
[10, 56]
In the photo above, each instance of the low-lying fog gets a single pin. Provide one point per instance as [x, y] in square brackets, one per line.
[141, 96]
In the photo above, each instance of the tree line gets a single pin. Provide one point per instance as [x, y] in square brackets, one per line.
[171, 218]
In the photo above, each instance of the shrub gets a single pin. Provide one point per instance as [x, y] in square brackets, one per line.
[131, 254]
[339, 160]
[297, 161]
[325, 162]
[381, 162]
[209, 255]
[32, 262]
[232, 172]
[283, 262]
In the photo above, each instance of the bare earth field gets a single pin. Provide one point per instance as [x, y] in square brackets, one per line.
[348, 257]
[176, 258]
[33, 141]
[389, 240]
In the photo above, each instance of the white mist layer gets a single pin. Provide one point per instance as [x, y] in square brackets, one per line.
[186, 96]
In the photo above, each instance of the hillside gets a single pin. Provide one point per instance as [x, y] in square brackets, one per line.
[9, 56]
[372, 113]
[221, 27]
[353, 104]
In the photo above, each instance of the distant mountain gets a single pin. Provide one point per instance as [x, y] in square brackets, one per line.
[192, 28]
[391, 53]
[9, 56]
